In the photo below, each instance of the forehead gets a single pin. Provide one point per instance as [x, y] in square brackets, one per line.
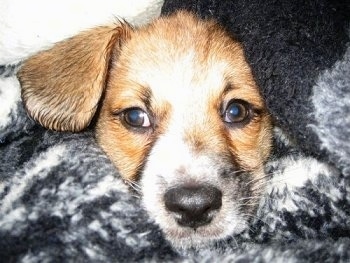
[181, 57]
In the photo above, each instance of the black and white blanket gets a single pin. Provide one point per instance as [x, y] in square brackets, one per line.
[62, 200]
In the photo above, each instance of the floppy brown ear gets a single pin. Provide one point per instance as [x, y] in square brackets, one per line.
[61, 87]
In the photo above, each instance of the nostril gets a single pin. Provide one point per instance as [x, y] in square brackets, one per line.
[193, 205]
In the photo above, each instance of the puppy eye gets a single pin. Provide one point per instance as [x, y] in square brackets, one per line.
[136, 118]
[237, 111]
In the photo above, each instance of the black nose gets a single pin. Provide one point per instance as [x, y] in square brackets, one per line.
[193, 206]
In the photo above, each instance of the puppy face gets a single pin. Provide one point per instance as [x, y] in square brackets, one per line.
[180, 113]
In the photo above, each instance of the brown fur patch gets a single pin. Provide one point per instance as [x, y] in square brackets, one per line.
[162, 44]
[127, 147]
[139, 68]
[62, 86]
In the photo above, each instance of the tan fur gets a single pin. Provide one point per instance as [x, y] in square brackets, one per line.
[61, 87]
[251, 144]
[181, 71]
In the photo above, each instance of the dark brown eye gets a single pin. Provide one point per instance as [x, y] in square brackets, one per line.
[136, 118]
[237, 111]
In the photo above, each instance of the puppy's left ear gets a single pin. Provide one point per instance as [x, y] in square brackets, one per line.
[61, 87]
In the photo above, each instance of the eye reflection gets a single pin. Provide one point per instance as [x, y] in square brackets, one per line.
[237, 111]
[136, 118]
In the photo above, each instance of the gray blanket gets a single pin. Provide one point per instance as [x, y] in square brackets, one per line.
[61, 199]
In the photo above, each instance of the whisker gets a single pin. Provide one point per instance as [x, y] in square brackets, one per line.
[250, 204]
[271, 178]
[257, 218]
[234, 240]
[249, 198]
[257, 187]
[135, 186]
[255, 180]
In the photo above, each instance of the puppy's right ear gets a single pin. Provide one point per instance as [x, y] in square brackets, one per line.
[62, 86]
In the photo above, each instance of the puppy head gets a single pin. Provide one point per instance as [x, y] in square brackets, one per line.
[181, 114]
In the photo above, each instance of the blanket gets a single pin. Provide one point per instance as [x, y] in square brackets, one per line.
[62, 200]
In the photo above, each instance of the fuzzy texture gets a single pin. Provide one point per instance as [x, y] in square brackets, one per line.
[288, 45]
[331, 100]
[61, 199]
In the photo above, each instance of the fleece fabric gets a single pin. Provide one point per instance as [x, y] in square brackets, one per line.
[62, 200]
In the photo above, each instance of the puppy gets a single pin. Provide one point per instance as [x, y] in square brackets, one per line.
[177, 110]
